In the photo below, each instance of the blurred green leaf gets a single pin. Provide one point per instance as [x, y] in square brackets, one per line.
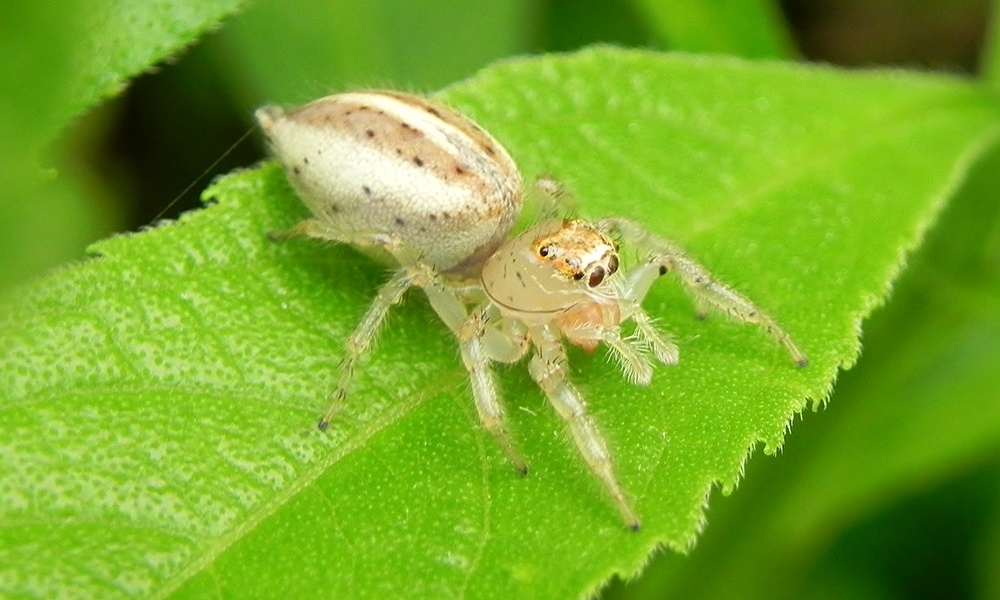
[748, 28]
[991, 48]
[126, 38]
[294, 52]
[38, 41]
[58, 60]
[42, 223]
[159, 401]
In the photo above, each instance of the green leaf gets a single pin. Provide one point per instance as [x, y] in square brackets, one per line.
[59, 59]
[159, 401]
[42, 221]
[748, 28]
[991, 48]
[124, 38]
[326, 46]
[920, 409]
[989, 565]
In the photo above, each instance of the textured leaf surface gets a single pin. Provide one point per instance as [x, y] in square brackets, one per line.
[919, 412]
[158, 403]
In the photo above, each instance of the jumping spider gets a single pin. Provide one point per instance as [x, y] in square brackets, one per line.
[414, 179]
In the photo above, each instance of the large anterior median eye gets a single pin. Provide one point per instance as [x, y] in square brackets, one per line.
[596, 277]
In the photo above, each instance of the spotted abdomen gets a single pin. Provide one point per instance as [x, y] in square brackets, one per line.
[389, 162]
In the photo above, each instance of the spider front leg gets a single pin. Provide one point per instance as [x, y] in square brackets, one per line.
[548, 369]
[707, 291]
[663, 347]
[551, 199]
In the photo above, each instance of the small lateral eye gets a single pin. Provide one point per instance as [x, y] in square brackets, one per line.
[578, 275]
[544, 251]
[596, 277]
[612, 265]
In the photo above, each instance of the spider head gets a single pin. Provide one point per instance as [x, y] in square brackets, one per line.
[577, 251]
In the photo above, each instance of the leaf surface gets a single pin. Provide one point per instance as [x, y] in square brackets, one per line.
[917, 414]
[157, 434]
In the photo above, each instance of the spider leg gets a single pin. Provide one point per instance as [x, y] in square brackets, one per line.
[548, 369]
[707, 291]
[632, 357]
[484, 390]
[630, 353]
[663, 347]
[389, 294]
[479, 346]
[507, 343]
[365, 334]
[321, 230]
[552, 200]
[414, 273]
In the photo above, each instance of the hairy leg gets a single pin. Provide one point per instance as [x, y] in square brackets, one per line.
[548, 369]
[663, 347]
[707, 291]
[444, 301]
[364, 336]
[320, 230]
[630, 353]
[552, 200]
[484, 389]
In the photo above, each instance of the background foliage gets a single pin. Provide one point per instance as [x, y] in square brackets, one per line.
[891, 490]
